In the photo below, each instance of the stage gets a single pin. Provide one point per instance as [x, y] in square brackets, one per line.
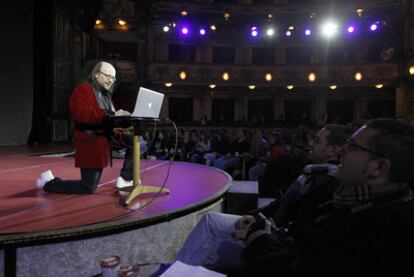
[43, 233]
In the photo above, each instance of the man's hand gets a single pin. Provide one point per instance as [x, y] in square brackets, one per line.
[245, 222]
[122, 113]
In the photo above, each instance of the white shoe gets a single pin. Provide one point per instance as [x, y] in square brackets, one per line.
[122, 183]
[44, 178]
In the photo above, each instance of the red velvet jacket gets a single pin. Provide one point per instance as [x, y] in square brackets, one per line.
[92, 151]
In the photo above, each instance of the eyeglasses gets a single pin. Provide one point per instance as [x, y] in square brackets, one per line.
[352, 143]
[109, 77]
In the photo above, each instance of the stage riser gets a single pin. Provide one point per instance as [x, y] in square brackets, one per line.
[157, 243]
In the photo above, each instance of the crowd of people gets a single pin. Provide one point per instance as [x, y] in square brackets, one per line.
[350, 213]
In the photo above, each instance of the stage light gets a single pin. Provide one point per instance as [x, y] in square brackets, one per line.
[202, 32]
[185, 30]
[226, 16]
[226, 76]
[329, 29]
[291, 28]
[99, 25]
[174, 25]
[288, 33]
[332, 87]
[358, 76]
[374, 27]
[270, 32]
[166, 28]
[269, 16]
[379, 86]
[213, 27]
[289, 87]
[212, 86]
[183, 75]
[122, 22]
[253, 31]
[168, 85]
[350, 29]
[268, 77]
[411, 70]
[252, 87]
[360, 12]
[312, 77]
[308, 32]
[184, 13]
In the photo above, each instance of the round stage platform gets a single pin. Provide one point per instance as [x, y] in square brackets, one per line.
[45, 234]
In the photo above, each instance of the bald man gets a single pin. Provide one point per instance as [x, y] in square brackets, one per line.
[90, 104]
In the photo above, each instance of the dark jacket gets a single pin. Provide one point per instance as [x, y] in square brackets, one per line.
[374, 242]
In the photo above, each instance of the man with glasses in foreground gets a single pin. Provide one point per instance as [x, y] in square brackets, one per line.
[90, 104]
[369, 229]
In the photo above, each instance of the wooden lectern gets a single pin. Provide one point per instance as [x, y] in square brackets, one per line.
[138, 188]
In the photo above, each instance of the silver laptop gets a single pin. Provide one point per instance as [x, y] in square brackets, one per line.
[148, 103]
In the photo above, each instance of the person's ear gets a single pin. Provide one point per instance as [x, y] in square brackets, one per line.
[332, 151]
[379, 168]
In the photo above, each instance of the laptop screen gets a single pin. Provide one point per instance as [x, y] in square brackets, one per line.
[148, 103]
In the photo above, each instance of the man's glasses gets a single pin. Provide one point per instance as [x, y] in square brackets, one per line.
[109, 77]
[353, 144]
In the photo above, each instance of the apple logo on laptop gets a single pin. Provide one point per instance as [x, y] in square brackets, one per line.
[149, 105]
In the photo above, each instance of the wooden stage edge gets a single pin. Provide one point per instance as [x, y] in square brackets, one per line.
[45, 223]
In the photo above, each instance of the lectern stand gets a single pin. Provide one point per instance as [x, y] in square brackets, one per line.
[138, 188]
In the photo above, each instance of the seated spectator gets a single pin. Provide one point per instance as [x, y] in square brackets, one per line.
[202, 147]
[215, 241]
[277, 151]
[368, 230]
[231, 160]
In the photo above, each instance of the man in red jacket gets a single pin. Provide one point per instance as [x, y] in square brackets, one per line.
[90, 104]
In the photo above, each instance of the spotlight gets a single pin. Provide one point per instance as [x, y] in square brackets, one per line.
[291, 28]
[226, 76]
[226, 16]
[122, 22]
[288, 33]
[183, 75]
[270, 32]
[358, 76]
[168, 85]
[360, 12]
[212, 86]
[254, 33]
[166, 28]
[268, 77]
[308, 32]
[312, 77]
[252, 87]
[202, 32]
[329, 29]
[185, 30]
[379, 86]
[269, 16]
[289, 87]
[332, 87]
[411, 70]
[350, 29]
[213, 27]
[374, 27]
[99, 25]
[184, 13]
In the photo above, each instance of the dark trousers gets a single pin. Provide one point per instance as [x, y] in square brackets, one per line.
[90, 178]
